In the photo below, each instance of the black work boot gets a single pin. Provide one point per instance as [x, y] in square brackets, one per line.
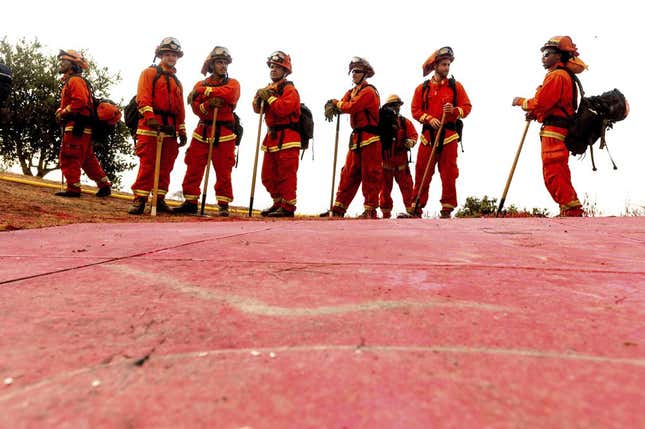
[162, 207]
[445, 214]
[187, 207]
[368, 214]
[281, 212]
[137, 207]
[68, 194]
[222, 210]
[105, 191]
[332, 213]
[268, 211]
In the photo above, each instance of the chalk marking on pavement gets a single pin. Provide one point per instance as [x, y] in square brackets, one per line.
[248, 305]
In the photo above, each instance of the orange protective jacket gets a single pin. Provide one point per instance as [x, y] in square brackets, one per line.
[554, 97]
[168, 103]
[75, 100]
[428, 104]
[215, 87]
[280, 110]
[362, 103]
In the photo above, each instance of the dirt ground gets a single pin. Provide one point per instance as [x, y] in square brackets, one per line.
[25, 206]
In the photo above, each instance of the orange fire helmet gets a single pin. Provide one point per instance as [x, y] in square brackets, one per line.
[393, 99]
[74, 57]
[358, 63]
[561, 43]
[439, 54]
[169, 44]
[218, 53]
[281, 59]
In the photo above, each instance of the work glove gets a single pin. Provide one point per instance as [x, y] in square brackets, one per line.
[215, 102]
[448, 108]
[182, 140]
[265, 94]
[59, 114]
[530, 116]
[330, 110]
[153, 124]
[409, 143]
[191, 97]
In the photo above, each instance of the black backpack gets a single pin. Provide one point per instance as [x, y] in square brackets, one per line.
[131, 113]
[305, 125]
[388, 126]
[593, 116]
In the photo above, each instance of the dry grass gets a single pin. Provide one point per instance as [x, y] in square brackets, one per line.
[25, 206]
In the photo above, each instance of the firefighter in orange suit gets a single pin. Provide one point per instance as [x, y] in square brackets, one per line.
[221, 92]
[281, 145]
[395, 161]
[553, 105]
[76, 108]
[364, 163]
[162, 110]
[432, 99]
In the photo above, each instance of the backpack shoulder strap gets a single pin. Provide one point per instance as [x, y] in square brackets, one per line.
[424, 94]
[283, 85]
[453, 85]
[576, 86]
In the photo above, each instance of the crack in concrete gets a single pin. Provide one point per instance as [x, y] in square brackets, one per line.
[454, 349]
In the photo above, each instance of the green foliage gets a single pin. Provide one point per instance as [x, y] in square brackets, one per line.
[485, 207]
[32, 137]
[475, 207]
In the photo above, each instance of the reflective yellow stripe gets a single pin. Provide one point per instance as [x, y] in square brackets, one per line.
[289, 145]
[461, 112]
[272, 99]
[141, 132]
[208, 91]
[366, 207]
[340, 205]
[140, 193]
[365, 142]
[202, 108]
[290, 202]
[222, 198]
[182, 127]
[85, 130]
[447, 140]
[189, 197]
[552, 135]
[203, 139]
[447, 206]
[146, 109]
[570, 205]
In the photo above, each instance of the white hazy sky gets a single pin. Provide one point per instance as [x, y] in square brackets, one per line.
[497, 53]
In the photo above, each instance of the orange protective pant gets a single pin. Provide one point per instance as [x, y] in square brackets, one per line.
[146, 150]
[448, 170]
[363, 167]
[403, 178]
[280, 176]
[556, 173]
[223, 160]
[76, 153]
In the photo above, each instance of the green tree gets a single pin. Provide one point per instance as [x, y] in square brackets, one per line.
[32, 137]
[484, 207]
